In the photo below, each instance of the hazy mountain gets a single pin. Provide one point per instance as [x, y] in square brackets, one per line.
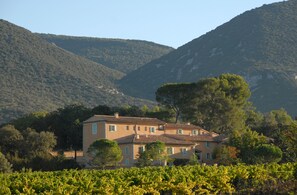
[122, 55]
[36, 75]
[260, 44]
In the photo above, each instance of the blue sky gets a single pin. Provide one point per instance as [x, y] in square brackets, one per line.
[168, 22]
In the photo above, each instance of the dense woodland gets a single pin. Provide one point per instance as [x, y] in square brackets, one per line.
[218, 104]
[38, 75]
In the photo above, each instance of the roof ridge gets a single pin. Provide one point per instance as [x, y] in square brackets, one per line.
[112, 116]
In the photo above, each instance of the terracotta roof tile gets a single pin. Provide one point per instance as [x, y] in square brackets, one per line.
[125, 119]
[144, 139]
[192, 138]
[166, 138]
[125, 140]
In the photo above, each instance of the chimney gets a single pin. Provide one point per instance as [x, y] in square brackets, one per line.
[116, 115]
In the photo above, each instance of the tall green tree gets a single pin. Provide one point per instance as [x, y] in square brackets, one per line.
[218, 103]
[175, 96]
[104, 152]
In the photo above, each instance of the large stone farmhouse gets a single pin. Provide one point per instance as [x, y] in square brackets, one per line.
[132, 133]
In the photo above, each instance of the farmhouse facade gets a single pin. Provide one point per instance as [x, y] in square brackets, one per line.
[133, 133]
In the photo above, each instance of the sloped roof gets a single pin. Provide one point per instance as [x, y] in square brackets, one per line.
[145, 139]
[181, 126]
[168, 139]
[192, 138]
[125, 119]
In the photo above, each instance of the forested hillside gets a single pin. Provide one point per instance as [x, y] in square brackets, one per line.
[36, 75]
[260, 45]
[122, 55]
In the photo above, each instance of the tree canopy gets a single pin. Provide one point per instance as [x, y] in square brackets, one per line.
[37, 144]
[154, 154]
[5, 166]
[268, 153]
[11, 139]
[21, 148]
[104, 152]
[175, 96]
[253, 148]
[278, 125]
[215, 104]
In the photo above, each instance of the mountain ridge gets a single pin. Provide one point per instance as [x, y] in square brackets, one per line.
[124, 55]
[36, 75]
[259, 44]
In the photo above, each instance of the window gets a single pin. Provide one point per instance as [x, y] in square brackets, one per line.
[145, 128]
[141, 149]
[195, 132]
[208, 156]
[207, 144]
[170, 150]
[127, 127]
[184, 151]
[127, 162]
[152, 129]
[126, 150]
[138, 128]
[94, 128]
[179, 131]
[112, 128]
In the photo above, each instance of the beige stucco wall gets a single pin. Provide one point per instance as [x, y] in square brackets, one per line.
[122, 131]
[202, 146]
[185, 131]
[190, 150]
[89, 138]
[128, 153]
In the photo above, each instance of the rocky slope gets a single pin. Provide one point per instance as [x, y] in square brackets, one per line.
[260, 45]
